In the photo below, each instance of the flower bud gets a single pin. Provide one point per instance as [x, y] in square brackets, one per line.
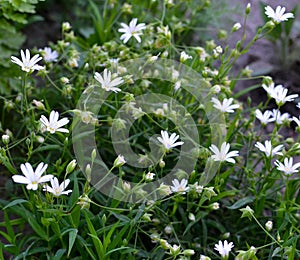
[5, 139]
[248, 8]
[189, 252]
[215, 206]
[222, 34]
[269, 225]
[165, 54]
[168, 230]
[267, 80]
[39, 104]
[236, 27]
[93, 155]
[64, 80]
[270, 24]
[192, 217]
[88, 171]
[162, 164]
[66, 26]
[126, 8]
[126, 186]
[119, 161]
[71, 166]
[104, 219]
[164, 244]
[184, 56]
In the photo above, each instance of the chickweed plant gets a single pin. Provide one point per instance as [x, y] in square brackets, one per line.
[136, 147]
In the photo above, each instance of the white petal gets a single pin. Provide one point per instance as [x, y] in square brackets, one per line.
[20, 179]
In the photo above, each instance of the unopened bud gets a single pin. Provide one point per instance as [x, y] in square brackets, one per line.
[93, 155]
[88, 171]
[162, 164]
[119, 161]
[248, 8]
[270, 24]
[192, 217]
[269, 225]
[168, 230]
[236, 27]
[215, 206]
[5, 139]
[66, 26]
[71, 166]
[126, 186]
[189, 252]
[39, 104]
[64, 80]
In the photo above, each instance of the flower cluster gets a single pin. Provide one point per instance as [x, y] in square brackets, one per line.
[34, 177]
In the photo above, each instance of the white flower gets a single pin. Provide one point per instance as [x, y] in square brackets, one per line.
[53, 124]
[169, 142]
[119, 161]
[265, 117]
[224, 248]
[280, 96]
[268, 149]
[280, 118]
[272, 89]
[106, 81]
[225, 106]
[223, 154]
[26, 63]
[287, 167]
[132, 30]
[296, 120]
[298, 105]
[278, 15]
[32, 178]
[184, 56]
[57, 189]
[179, 186]
[49, 55]
[149, 176]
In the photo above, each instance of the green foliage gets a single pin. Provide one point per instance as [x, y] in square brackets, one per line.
[13, 16]
[232, 201]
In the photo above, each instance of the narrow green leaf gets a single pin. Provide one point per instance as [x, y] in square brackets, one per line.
[37, 228]
[59, 254]
[72, 238]
[96, 241]
[9, 228]
[15, 202]
[241, 202]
